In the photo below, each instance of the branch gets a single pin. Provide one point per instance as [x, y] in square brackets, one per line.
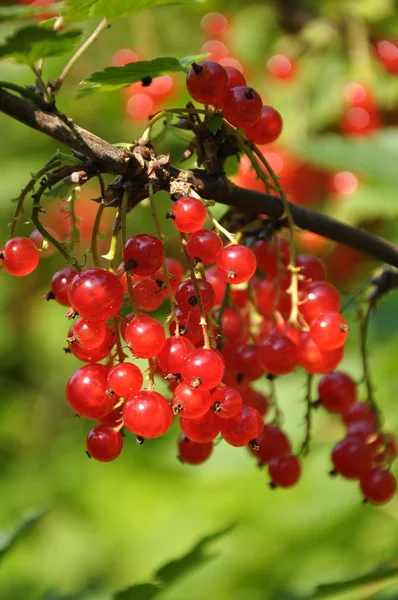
[111, 159]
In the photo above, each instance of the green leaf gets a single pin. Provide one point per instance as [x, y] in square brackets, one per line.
[374, 157]
[9, 537]
[114, 78]
[214, 123]
[31, 43]
[80, 10]
[144, 591]
[174, 569]
[335, 590]
[370, 201]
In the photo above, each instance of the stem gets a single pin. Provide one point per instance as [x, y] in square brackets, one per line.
[305, 447]
[152, 368]
[120, 352]
[163, 113]
[364, 319]
[192, 275]
[89, 41]
[278, 416]
[123, 216]
[53, 163]
[230, 236]
[173, 304]
[74, 232]
[22, 91]
[111, 255]
[94, 235]
[48, 98]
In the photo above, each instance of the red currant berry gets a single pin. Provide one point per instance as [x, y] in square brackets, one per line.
[96, 294]
[176, 273]
[89, 334]
[256, 400]
[278, 354]
[189, 326]
[204, 246]
[145, 336]
[114, 418]
[285, 470]
[267, 256]
[311, 268]
[363, 430]
[329, 331]
[232, 326]
[351, 458]
[60, 285]
[242, 429]
[38, 241]
[147, 414]
[207, 82]
[191, 403]
[387, 53]
[227, 402]
[173, 354]
[314, 360]
[86, 392]
[271, 444]
[265, 297]
[203, 368]
[219, 286]
[202, 430]
[268, 127]
[360, 121]
[125, 379]
[235, 77]
[337, 392]
[214, 24]
[378, 486]
[359, 411]
[245, 361]
[242, 106]
[143, 254]
[281, 67]
[96, 354]
[19, 256]
[104, 443]
[148, 294]
[192, 453]
[236, 264]
[187, 299]
[188, 214]
[319, 297]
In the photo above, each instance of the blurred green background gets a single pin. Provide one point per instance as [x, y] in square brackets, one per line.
[110, 526]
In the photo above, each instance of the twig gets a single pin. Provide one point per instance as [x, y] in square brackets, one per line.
[94, 234]
[89, 41]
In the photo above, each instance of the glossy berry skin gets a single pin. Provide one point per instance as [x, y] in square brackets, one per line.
[187, 299]
[19, 256]
[278, 354]
[243, 428]
[245, 361]
[204, 246]
[89, 334]
[378, 486]
[202, 430]
[173, 354]
[176, 272]
[203, 368]
[96, 294]
[189, 326]
[145, 336]
[329, 331]
[192, 453]
[104, 443]
[218, 284]
[86, 392]
[267, 256]
[188, 214]
[60, 285]
[351, 458]
[236, 264]
[268, 127]
[363, 430]
[319, 297]
[207, 83]
[190, 403]
[314, 360]
[337, 392]
[311, 268]
[148, 294]
[125, 379]
[96, 354]
[147, 414]
[227, 402]
[235, 77]
[143, 254]
[271, 444]
[284, 470]
[242, 106]
[358, 411]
